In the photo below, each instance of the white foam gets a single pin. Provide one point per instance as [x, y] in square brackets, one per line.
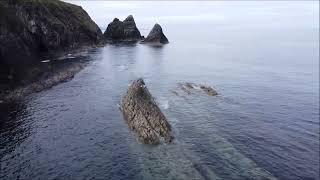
[196, 87]
[122, 67]
[164, 104]
[45, 61]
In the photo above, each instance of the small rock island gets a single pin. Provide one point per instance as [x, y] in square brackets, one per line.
[122, 30]
[156, 36]
[144, 116]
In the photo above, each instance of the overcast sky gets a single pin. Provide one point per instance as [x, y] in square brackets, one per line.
[146, 13]
[103, 12]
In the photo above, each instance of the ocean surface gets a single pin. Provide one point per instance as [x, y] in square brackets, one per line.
[261, 57]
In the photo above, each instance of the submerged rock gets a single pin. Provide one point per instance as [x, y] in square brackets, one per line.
[31, 27]
[144, 116]
[185, 88]
[156, 36]
[122, 30]
[174, 92]
[191, 87]
[37, 77]
[209, 90]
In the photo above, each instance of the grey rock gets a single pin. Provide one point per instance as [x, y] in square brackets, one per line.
[156, 36]
[144, 116]
[122, 30]
[174, 92]
[191, 87]
[209, 90]
[184, 88]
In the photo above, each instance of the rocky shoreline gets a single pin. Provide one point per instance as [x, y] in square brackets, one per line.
[17, 81]
[31, 28]
[53, 75]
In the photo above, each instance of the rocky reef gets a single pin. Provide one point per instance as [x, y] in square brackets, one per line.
[122, 30]
[192, 87]
[156, 36]
[31, 27]
[16, 82]
[209, 90]
[144, 116]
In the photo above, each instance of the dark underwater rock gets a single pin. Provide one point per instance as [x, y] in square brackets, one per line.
[28, 79]
[156, 36]
[209, 90]
[144, 116]
[191, 87]
[31, 27]
[123, 30]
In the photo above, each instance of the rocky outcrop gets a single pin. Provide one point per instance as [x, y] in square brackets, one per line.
[209, 90]
[144, 116]
[122, 30]
[28, 79]
[156, 36]
[191, 87]
[31, 27]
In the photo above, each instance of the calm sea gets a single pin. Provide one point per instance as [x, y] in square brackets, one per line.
[261, 57]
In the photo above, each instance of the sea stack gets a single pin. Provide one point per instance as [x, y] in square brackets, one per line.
[156, 36]
[31, 27]
[143, 115]
[122, 30]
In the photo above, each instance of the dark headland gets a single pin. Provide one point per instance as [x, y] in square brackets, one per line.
[33, 29]
[30, 29]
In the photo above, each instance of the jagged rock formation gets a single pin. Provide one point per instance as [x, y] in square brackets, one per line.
[30, 27]
[144, 116]
[122, 30]
[156, 36]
